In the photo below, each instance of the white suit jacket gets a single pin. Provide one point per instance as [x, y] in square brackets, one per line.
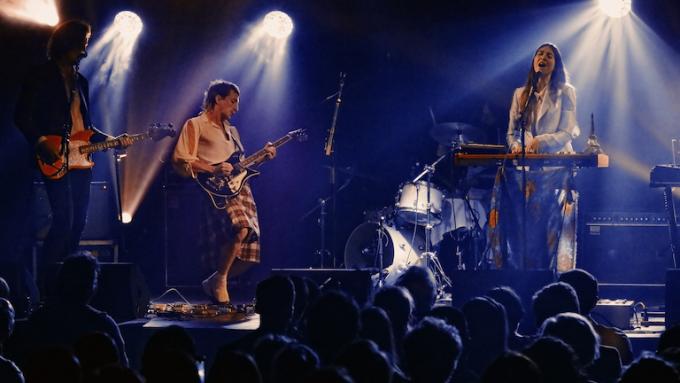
[555, 126]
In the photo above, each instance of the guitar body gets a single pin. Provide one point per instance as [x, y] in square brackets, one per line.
[226, 186]
[76, 159]
[80, 149]
[220, 187]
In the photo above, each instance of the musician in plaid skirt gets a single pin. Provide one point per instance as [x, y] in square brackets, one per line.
[204, 145]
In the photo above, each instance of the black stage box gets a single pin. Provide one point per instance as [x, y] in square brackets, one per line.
[672, 297]
[470, 284]
[357, 283]
[628, 248]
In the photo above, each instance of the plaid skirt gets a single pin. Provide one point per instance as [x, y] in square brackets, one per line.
[219, 227]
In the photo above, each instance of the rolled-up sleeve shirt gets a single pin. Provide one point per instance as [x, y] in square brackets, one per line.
[201, 139]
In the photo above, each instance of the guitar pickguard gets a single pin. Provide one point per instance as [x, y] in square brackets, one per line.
[77, 160]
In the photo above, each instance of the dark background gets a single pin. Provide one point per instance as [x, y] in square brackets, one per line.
[402, 58]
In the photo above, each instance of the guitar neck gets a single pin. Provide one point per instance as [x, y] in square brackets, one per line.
[261, 155]
[109, 144]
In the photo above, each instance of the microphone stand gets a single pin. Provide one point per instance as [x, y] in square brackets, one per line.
[329, 152]
[523, 128]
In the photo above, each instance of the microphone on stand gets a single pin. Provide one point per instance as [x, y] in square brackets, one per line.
[535, 78]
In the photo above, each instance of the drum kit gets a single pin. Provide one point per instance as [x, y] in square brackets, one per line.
[433, 221]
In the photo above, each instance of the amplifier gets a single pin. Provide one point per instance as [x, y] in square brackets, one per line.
[616, 312]
[596, 220]
[101, 212]
[624, 248]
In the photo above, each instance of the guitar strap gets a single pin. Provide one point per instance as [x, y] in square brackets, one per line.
[83, 102]
[233, 133]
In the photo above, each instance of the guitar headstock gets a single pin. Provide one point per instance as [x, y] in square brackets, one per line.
[158, 131]
[300, 134]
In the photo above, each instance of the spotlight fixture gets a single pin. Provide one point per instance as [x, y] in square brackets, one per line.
[126, 217]
[278, 24]
[128, 23]
[615, 8]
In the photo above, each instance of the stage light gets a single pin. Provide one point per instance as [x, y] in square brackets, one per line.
[38, 11]
[615, 8]
[128, 23]
[278, 24]
[126, 217]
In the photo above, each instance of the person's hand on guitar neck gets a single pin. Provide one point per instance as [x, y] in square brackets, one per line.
[47, 151]
[270, 149]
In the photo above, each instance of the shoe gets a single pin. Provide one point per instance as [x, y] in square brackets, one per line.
[215, 286]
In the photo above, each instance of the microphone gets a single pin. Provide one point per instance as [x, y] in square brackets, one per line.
[536, 77]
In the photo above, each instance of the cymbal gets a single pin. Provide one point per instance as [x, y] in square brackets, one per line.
[447, 133]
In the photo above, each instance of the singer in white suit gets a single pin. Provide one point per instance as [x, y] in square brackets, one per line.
[546, 107]
[551, 114]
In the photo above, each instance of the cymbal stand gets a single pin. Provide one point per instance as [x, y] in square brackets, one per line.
[380, 231]
[431, 257]
[322, 252]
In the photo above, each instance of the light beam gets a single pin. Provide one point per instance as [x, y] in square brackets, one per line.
[37, 11]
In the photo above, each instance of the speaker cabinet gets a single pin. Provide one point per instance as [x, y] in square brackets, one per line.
[631, 248]
[101, 212]
[357, 283]
[672, 297]
[121, 292]
[470, 284]
[184, 266]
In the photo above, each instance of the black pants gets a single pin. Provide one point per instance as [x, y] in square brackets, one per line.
[69, 198]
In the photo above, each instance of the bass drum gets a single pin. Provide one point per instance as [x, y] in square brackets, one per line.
[401, 248]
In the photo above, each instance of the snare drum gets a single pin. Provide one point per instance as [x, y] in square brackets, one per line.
[401, 249]
[411, 203]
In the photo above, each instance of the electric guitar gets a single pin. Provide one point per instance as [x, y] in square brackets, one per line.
[228, 186]
[76, 154]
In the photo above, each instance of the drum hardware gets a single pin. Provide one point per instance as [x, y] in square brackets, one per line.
[430, 257]
[323, 252]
